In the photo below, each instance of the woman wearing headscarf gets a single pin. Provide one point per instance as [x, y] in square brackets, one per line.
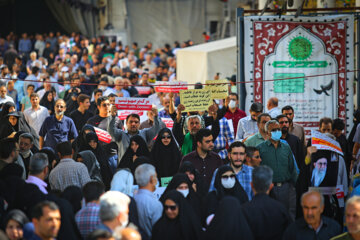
[178, 221]
[226, 184]
[7, 108]
[229, 222]
[48, 101]
[94, 146]
[165, 154]
[136, 149]
[15, 122]
[181, 183]
[123, 182]
[74, 196]
[80, 144]
[88, 158]
[14, 223]
[197, 182]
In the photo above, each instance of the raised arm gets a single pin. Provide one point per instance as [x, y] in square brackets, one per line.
[114, 132]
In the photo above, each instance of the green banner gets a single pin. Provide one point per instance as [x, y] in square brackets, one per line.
[165, 181]
[300, 64]
[296, 85]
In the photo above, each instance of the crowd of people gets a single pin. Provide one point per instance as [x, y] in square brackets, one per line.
[217, 174]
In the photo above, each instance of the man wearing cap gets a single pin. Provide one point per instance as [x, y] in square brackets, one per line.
[248, 125]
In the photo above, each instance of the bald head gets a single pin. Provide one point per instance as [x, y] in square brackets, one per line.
[314, 195]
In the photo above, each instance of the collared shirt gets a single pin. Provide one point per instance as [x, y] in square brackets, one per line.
[87, 219]
[298, 131]
[38, 182]
[6, 99]
[149, 210]
[68, 173]
[36, 118]
[246, 127]
[280, 160]
[235, 117]
[254, 140]
[244, 176]
[301, 230]
[54, 131]
[206, 166]
[225, 136]
[274, 112]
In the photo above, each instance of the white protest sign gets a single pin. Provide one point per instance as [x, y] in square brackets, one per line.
[323, 142]
[124, 103]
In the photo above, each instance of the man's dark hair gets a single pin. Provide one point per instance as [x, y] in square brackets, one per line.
[338, 124]
[250, 151]
[236, 144]
[325, 120]
[135, 43]
[7, 146]
[93, 190]
[104, 79]
[97, 91]
[64, 148]
[34, 70]
[287, 108]
[34, 94]
[234, 94]
[82, 97]
[256, 107]
[134, 115]
[37, 211]
[262, 115]
[204, 132]
[112, 95]
[101, 99]
[30, 85]
[262, 177]
[99, 234]
[281, 116]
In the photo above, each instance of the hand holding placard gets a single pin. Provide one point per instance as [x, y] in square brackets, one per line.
[196, 99]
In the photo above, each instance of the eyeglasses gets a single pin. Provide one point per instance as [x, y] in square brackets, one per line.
[227, 177]
[275, 129]
[166, 137]
[171, 207]
[59, 106]
[105, 105]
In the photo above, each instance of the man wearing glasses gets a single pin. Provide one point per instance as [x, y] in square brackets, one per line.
[237, 157]
[278, 156]
[57, 128]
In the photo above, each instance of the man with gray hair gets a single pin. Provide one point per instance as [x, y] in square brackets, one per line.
[26, 142]
[278, 156]
[267, 217]
[312, 225]
[114, 211]
[149, 208]
[38, 171]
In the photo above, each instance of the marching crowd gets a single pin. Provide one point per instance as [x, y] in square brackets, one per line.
[218, 174]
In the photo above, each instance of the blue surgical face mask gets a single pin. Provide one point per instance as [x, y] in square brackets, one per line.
[276, 135]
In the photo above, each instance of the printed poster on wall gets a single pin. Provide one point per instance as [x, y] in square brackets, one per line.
[285, 51]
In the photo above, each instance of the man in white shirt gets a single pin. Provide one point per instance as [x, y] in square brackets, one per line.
[272, 106]
[3, 97]
[37, 114]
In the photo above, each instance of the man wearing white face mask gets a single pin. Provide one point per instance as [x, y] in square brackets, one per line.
[232, 110]
[278, 156]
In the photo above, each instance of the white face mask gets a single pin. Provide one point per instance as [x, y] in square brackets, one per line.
[228, 183]
[26, 153]
[232, 104]
[184, 192]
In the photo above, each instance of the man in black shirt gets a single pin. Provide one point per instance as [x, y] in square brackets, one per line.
[93, 107]
[82, 114]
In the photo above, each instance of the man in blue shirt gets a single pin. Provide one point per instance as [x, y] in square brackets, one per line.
[24, 45]
[237, 156]
[57, 128]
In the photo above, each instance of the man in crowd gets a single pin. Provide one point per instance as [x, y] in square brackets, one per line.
[87, 219]
[352, 219]
[237, 157]
[37, 114]
[248, 125]
[93, 105]
[165, 103]
[68, 172]
[3, 95]
[149, 208]
[293, 141]
[261, 135]
[272, 106]
[47, 220]
[253, 158]
[278, 156]
[294, 128]
[313, 225]
[122, 138]
[267, 217]
[26, 142]
[9, 151]
[38, 171]
[101, 120]
[203, 158]
[232, 110]
[114, 212]
[58, 128]
[82, 114]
